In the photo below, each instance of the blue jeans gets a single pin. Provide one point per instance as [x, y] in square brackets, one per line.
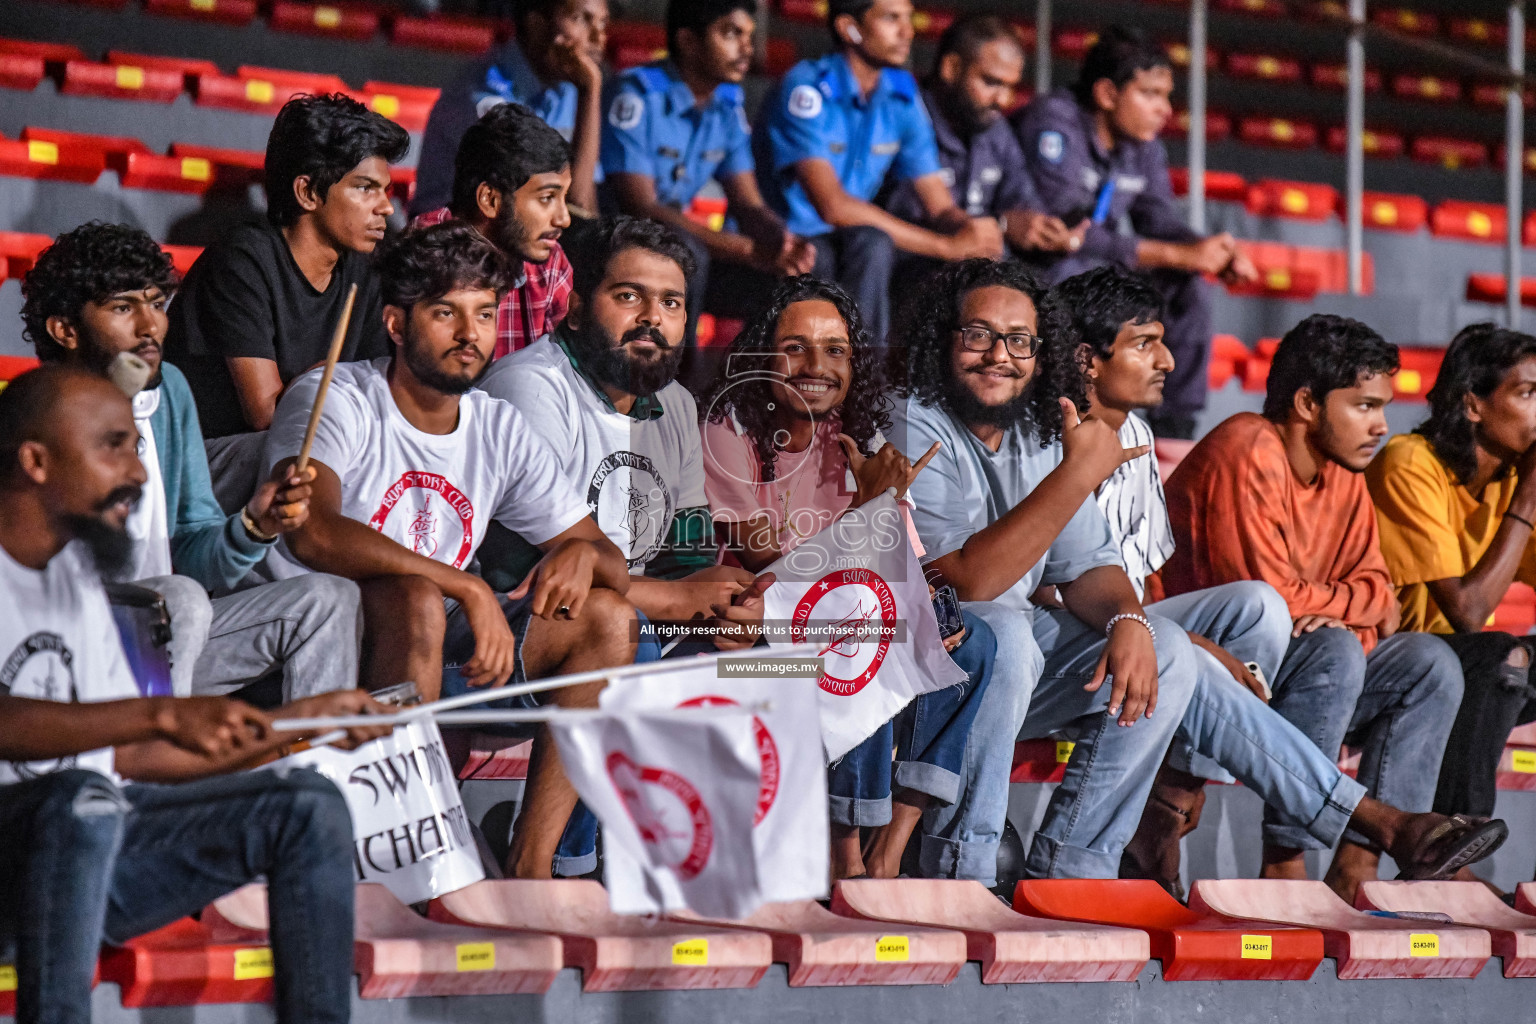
[1399, 703]
[860, 259]
[85, 861]
[929, 735]
[1233, 729]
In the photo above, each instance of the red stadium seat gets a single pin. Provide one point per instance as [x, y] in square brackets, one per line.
[407, 105]
[41, 159]
[112, 150]
[19, 250]
[1426, 87]
[1381, 142]
[492, 757]
[1492, 94]
[1492, 288]
[443, 33]
[1223, 185]
[615, 953]
[1364, 946]
[1336, 77]
[190, 174]
[182, 256]
[1405, 19]
[1178, 53]
[232, 167]
[251, 93]
[1448, 152]
[1264, 66]
[1261, 8]
[310, 81]
[1478, 30]
[779, 56]
[122, 81]
[1012, 947]
[348, 22]
[1283, 132]
[49, 53]
[1218, 126]
[1419, 368]
[819, 947]
[632, 43]
[708, 210]
[182, 964]
[1388, 211]
[1295, 199]
[1040, 760]
[12, 367]
[810, 12]
[21, 71]
[1074, 43]
[1473, 222]
[1228, 354]
[930, 22]
[1191, 946]
[1513, 933]
[188, 67]
[230, 12]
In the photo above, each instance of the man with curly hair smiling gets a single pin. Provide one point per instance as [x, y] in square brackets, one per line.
[101, 290]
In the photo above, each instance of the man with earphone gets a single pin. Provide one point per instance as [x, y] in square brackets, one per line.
[828, 136]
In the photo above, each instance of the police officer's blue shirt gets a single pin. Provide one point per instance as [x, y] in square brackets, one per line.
[654, 127]
[985, 171]
[1070, 171]
[503, 76]
[818, 112]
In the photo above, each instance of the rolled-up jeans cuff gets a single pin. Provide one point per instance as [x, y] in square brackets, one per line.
[974, 861]
[930, 780]
[1049, 858]
[575, 867]
[850, 810]
[1324, 830]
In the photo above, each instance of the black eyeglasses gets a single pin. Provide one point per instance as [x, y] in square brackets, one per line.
[982, 339]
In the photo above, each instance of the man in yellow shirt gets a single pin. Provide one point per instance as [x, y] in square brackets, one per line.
[1456, 501]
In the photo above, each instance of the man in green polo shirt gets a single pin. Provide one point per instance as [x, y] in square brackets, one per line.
[602, 390]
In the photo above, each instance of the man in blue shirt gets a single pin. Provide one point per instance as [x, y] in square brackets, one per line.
[675, 125]
[830, 134]
[976, 73]
[1094, 154]
[553, 66]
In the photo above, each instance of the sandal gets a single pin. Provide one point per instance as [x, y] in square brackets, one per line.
[1453, 844]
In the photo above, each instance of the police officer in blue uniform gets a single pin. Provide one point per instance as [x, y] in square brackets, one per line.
[1093, 152]
[829, 135]
[553, 67]
[977, 72]
[674, 126]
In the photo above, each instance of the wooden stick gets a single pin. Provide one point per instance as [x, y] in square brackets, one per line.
[325, 381]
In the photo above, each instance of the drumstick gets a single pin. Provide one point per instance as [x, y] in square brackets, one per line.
[325, 382]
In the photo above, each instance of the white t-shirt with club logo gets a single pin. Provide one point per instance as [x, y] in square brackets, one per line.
[635, 474]
[58, 642]
[434, 494]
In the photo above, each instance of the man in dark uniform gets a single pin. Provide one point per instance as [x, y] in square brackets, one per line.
[1093, 152]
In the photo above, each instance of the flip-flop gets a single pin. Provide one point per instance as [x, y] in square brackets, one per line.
[1454, 843]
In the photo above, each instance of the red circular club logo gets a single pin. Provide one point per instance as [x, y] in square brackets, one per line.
[767, 752]
[433, 511]
[668, 812]
[851, 616]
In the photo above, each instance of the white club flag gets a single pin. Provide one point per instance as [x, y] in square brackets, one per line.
[677, 792]
[790, 835]
[856, 591]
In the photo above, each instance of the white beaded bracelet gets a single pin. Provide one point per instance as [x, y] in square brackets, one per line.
[1109, 627]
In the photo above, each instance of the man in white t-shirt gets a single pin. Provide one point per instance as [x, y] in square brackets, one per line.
[86, 854]
[412, 465]
[1228, 729]
[603, 391]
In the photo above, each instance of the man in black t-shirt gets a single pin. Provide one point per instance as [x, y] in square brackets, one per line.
[258, 308]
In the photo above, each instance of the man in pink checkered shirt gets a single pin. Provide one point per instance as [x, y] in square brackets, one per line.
[510, 179]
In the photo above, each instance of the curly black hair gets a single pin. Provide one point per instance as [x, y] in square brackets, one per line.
[1324, 353]
[323, 137]
[591, 249]
[866, 408]
[1479, 357]
[926, 325]
[89, 264]
[423, 264]
[1105, 299]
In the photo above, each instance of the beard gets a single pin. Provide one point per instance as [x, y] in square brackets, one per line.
[966, 120]
[972, 410]
[610, 363]
[431, 373]
[110, 546]
[507, 233]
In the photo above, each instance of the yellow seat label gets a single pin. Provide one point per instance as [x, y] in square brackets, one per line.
[691, 953]
[1424, 944]
[259, 91]
[204, 5]
[1258, 947]
[7, 978]
[892, 949]
[1479, 224]
[327, 17]
[1523, 761]
[476, 956]
[40, 152]
[195, 168]
[253, 963]
[1064, 751]
[385, 105]
[1409, 382]
[130, 77]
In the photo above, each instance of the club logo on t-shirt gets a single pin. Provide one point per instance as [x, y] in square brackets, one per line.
[851, 616]
[41, 668]
[628, 492]
[428, 515]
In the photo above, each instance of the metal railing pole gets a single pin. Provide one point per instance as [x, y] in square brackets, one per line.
[1354, 174]
[1514, 160]
[1042, 47]
[1197, 25]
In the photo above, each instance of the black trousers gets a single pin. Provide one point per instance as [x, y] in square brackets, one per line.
[1498, 697]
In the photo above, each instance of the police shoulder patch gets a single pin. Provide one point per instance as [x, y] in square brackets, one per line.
[805, 101]
[1052, 146]
[626, 111]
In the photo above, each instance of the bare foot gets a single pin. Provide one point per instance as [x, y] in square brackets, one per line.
[1352, 864]
[1284, 864]
[847, 861]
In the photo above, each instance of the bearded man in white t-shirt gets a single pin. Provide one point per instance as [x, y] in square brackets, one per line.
[88, 852]
[603, 391]
[412, 465]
